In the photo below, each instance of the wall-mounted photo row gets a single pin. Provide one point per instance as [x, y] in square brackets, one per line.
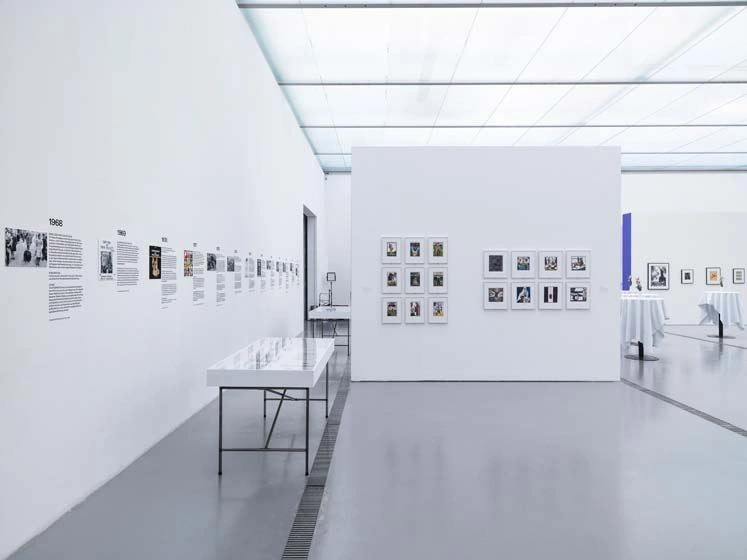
[414, 310]
[495, 263]
[550, 295]
[414, 280]
[391, 280]
[713, 275]
[578, 263]
[495, 295]
[578, 295]
[438, 250]
[391, 310]
[391, 250]
[414, 250]
[438, 280]
[524, 295]
[737, 276]
[550, 264]
[687, 276]
[523, 264]
[438, 310]
[658, 276]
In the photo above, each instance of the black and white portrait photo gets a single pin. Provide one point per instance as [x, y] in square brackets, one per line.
[523, 294]
[230, 264]
[25, 248]
[496, 295]
[391, 279]
[212, 261]
[154, 267]
[550, 263]
[658, 276]
[495, 263]
[415, 279]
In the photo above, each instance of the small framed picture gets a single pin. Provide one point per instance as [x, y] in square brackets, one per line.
[391, 280]
[414, 310]
[415, 250]
[414, 280]
[523, 264]
[391, 310]
[438, 250]
[523, 295]
[495, 295]
[331, 276]
[438, 280]
[713, 275]
[737, 276]
[494, 263]
[438, 310]
[391, 252]
[578, 295]
[687, 276]
[658, 276]
[550, 264]
[578, 264]
[550, 295]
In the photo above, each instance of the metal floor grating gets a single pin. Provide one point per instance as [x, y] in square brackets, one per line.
[304, 524]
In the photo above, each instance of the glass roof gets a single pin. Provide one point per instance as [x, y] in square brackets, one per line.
[668, 84]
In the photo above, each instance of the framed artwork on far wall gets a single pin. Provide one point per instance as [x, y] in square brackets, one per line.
[578, 263]
[391, 250]
[713, 275]
[415, 280]
[495, 295]
[658, 276]
[438, 250]
[415, 250]
[578, 295]
[523, 264]
[415, 310]
[737, 276]
[495, 263]
[391, 280]
[438, 280]
[391, 310]
[550, 295]
[550, 264]
[687, 276]
[438, 310]
[523, 295]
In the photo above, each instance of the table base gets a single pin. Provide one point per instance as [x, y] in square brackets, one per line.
[640, 356]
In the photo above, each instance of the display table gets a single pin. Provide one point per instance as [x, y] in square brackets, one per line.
[643, 317]
[333, 313]
[721, 308]
[274, 365]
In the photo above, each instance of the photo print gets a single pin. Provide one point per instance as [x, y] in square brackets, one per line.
[523, 264]
[391, 282]
[212, 262]
[154, 264]
[391, 310]
[494, 263]
[438, 250]
[658, 276]
[188, 263]
[414, 310]
[523, 295]
[495, 295]
[415, 280]
[25, 248]
[550, 295]
[438, 310]
[260, 269]
[414, 250]
[687, 276]
[550, 264]
[578, 295]
[737, 276]
[578, 264]
[230, 264]
[106, 260]
[439, 280]
[391, 250]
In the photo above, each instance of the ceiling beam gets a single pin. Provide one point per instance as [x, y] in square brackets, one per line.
[478, 126]
[662, 169]
[622, 153]
[473, 5]
[514, 83]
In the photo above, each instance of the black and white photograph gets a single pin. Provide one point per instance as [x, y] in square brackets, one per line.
[658, 276]
[578, 295]
[212, 262]
[415, 250]
[415, 280]
[154, 263]
[550, 295]
[414, 310]
[391, 280]
[439, 280]
[106, 260]
[523, 295]
[390, 250]
[578, 263]
[737, 276]
[495, 295]
[391, 310]
[523, 264]
[25, 248]
[494, 263]
[230, 264]
[260, 268]
[687, 276]
[438, 310]
[438, 250]
[550, 264]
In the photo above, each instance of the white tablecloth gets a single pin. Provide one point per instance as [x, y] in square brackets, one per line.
[726, 304]
[642, 320]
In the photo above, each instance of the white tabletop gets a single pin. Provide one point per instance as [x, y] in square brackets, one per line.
[274, 362]
[726, 305]
[642, 320]
[327, 312]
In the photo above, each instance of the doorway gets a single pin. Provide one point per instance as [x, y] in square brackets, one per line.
[309, 261]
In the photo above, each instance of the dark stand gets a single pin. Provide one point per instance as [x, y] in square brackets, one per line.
[334, 330]
[640, 356]
[720, 330]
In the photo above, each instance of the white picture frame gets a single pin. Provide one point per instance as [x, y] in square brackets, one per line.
[713, 276]
[414, 310]
[415, 280]
[387, 244]
[550, 264]
[391, 311]
[438, 280]
[578, 263]
[550, 295]
[438, 310]
[438, 250]
[495, 295]
[415, 250]
[687, 276]
[523, 295]
[737, 276]
[388, 284]
[495, 263]
[572, 300]
[523, 264]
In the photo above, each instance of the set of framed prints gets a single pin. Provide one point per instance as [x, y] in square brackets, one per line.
[415, 279]
[550, 266]
[658, 276]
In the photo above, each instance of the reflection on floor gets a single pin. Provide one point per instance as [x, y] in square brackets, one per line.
[703, 333]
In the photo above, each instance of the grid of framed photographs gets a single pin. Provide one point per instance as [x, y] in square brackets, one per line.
[415, 266]
[524, 266]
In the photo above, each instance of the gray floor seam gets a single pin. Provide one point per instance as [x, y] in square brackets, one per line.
[712, 341]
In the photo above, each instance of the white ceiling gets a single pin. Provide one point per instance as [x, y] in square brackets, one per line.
[463, 76]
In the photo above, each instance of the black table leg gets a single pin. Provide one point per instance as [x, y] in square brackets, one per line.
[640, 356]
[307, 432]
[720, 334]
[326, 391]
[264, 403]
[220, 431]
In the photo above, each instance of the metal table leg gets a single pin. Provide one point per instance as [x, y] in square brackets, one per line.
[641, 357]
[264, 403]
[220, 431]
[307, 432]
[326, 391]
[720, 330]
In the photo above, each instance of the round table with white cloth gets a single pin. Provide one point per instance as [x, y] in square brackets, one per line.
[722, 309]
[643, 317]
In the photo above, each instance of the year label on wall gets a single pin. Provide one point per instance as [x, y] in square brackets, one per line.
[57, 222]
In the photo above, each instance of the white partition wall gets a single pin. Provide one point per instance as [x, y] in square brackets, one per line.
[483, 198]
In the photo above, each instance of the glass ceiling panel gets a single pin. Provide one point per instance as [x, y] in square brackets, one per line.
[648, 160]
[577, 103]
[715, 140]
[525, 104]
[542, 136]
[655, 139]
[698, 105]
[383, 137]
[590, 136]
[333, 162]
[496, 136]
[324, 140]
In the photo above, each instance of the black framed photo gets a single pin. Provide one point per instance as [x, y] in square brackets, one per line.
[331, 277]
[687, 276]
[658, 276]
[737, 276]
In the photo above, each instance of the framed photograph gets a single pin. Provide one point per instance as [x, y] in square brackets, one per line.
[713, 275]
[578, 295]
[331, 276]
[391, 310]
[550, 295]
[523, 264]
[415, 310]
[523, 295]
[438, 280]
[658, 276]
[438, 310]
[578, 264]
[495, 295]
[415, 280]
[495, 263]
[415, 250]
[687, 276]
[391, 250]
[438, 250]
[737, 276]
[550, 264]
[391, 280]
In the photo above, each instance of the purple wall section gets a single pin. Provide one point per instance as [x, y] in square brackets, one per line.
[626, 250]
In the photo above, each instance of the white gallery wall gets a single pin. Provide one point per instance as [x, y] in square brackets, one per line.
[338, 235]
[162, 122]
[483, 198]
